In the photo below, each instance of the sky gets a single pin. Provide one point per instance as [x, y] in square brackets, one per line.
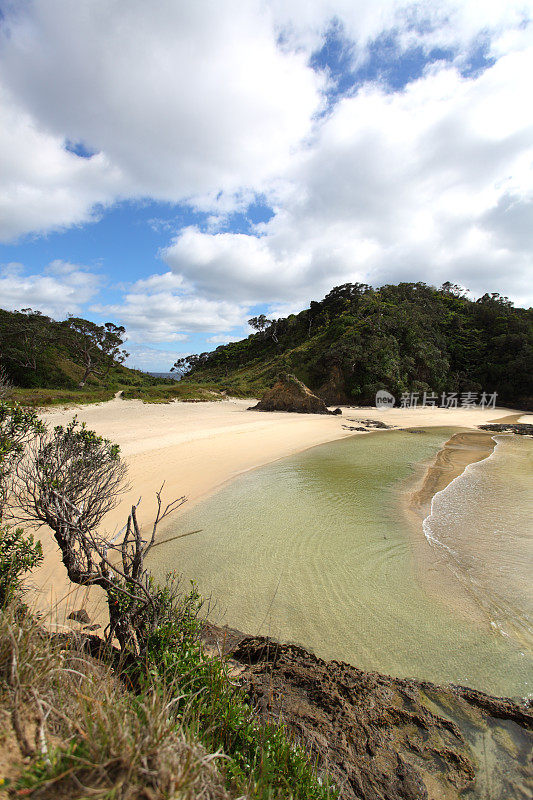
[178, 167]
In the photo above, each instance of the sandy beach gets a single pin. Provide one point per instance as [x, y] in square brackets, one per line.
[194, 448]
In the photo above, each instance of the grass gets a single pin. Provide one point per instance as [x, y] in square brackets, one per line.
[180, 390]
[41, 398]
[185, 731]
[84, 734]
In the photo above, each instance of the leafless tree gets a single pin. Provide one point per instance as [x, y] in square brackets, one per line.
[69, 480]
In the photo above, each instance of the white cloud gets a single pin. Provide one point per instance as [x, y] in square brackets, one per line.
[154, 310]
[431, 183]
[224, 338]
[180, 100]
[151, 359]
[213, 103]
[61, 289]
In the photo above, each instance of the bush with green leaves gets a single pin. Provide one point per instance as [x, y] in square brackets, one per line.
[19, 554]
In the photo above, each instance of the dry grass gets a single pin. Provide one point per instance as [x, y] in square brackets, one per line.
[84, 735]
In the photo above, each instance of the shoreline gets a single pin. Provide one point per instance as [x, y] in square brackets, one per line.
[195, 449]
[465, 447]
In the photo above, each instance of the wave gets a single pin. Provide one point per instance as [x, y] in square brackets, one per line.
[480, 525]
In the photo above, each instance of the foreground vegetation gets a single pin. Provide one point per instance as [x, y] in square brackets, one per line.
[156, 717]
[405, 338]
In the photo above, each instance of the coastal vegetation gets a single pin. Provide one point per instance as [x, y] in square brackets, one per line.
[408, 337]
[75, 361]
[154, 717]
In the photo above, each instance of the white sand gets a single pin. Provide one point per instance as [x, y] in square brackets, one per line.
[196, 447]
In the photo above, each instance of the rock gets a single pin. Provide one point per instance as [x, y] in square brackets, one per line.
[518, 427]
[337, 411]
[384, 738]
[372, 423]
[333, 391]
[80, 616]
[290, 394]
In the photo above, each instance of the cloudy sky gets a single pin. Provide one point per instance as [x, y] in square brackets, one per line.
[180, 166]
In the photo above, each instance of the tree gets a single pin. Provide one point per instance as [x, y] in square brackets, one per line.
[260, 323]
[69, 480]
[25, 338]
[97, 346]
[181, 366]
[18, 426]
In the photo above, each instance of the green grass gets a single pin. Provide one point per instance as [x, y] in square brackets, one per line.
[182, 391]
[42, 398]
[186, 731]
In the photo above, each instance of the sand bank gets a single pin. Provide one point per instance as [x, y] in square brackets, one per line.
[197, 447]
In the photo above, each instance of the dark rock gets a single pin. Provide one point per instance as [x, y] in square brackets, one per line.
[337, 411]
[372, 423]
[354, 428]
[290, 394]
[518, 427]
[80, 616]
[383, 738]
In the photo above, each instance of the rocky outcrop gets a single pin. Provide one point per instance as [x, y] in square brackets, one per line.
[290, 394]
[383, 738]
[518, 427]
[333, 391]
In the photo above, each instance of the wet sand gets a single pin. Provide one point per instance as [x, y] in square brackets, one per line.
[464, 448]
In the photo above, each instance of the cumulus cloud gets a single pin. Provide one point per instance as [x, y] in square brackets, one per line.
[151, 359]
[213, 104]
[431, 183]
[62, 288]
[179, 100]
[224, 338]
[153, 310]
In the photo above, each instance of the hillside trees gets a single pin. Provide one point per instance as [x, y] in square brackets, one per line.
[97, 347]
[404, 337]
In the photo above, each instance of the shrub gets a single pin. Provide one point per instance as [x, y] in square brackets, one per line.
[19, 554]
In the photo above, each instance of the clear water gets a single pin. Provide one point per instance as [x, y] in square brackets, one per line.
[482, 524]
[315, 549]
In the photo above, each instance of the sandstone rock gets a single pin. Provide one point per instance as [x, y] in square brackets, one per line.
[384, 738]
[290, 394]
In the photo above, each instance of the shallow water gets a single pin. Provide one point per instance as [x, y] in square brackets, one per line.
[479, 522]
[315, 549]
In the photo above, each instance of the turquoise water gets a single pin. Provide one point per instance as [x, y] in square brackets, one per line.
[315, 549]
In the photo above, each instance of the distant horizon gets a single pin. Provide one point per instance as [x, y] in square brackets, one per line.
[181, 169]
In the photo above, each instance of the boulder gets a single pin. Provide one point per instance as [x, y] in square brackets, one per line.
[290, 394]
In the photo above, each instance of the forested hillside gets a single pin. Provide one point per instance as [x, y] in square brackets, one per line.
[410, 337]
[74, 359]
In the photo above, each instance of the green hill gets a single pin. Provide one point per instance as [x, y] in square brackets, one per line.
[405, 338]
[70, 361]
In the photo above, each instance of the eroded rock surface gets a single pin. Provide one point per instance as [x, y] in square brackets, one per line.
[290, 394]
[383, 738]
[518, 427]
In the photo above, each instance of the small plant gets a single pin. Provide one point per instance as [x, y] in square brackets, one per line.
[19, 554]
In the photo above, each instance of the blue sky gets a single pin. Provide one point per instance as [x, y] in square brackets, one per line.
[183, 170]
